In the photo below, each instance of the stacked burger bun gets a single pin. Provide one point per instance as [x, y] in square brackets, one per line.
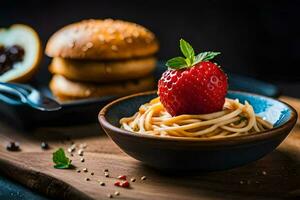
[95, 58]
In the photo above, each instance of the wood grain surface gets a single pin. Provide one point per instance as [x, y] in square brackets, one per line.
[275, 176]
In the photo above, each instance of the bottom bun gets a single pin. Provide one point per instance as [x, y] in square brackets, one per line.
[66, 90]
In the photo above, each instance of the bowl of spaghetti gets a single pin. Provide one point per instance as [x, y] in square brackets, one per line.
[249, 127]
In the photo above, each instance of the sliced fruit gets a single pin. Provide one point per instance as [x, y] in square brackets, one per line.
[20, 53]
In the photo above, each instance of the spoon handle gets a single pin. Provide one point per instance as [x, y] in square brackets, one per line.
[14, 93]
[11, 95]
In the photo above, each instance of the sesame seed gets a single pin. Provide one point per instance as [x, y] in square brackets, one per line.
[264, 172]
[132, 179]
[102, 183]
[80, 152]
[128, 40]
[82, 159]
[109, 20]
[92, 173]
[78, 170]
[241, 182]
[106, 174]
[87, 179]
[135, 34]
[105, 170]
[95, 29]
[83, 146]
[72, 148]
[101, 38]
[114, 48]
[111, 31]
[89, 45]
[109, 195]
[84, 49]
[117, 193]
[143, 178]
[85, 170]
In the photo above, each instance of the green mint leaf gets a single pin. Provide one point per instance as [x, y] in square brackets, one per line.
[176, 63]
[60, 159]
[62, 166]
[205, 56]
[188, 62]
[187, 50]
[199, 57]
[189, 58]
[210, 55]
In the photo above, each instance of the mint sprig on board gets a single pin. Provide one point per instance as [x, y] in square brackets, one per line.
[60, 160]
[189, 58]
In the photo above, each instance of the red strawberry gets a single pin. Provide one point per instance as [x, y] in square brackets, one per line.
[193, 85]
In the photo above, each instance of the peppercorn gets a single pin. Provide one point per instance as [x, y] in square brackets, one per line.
[13, 146]
[44, 145]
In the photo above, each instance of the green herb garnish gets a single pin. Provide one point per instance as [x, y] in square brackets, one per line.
[189, 58]
[61, 160]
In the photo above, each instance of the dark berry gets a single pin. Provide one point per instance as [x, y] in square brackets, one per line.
[15, 53]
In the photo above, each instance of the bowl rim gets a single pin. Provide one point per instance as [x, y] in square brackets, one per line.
[230, 140]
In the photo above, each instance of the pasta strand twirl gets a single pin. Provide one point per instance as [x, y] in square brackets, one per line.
[234, 120]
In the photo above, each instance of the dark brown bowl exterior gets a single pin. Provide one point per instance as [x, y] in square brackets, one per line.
[188, 153]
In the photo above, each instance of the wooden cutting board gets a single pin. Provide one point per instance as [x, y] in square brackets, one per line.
[277, 175]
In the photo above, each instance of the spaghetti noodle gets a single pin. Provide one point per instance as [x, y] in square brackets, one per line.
[234, 120]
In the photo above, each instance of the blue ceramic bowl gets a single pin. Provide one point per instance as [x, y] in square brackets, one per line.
[179, 153]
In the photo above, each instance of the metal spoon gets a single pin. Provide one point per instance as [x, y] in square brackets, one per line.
[28, 95]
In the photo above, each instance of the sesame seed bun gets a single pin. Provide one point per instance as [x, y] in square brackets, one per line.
[65, 89]
[101, 72]
[102, 40]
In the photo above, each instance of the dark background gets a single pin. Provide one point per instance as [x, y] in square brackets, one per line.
[256, 38]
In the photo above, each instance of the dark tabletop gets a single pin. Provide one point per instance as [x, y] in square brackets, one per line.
[14, 191]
